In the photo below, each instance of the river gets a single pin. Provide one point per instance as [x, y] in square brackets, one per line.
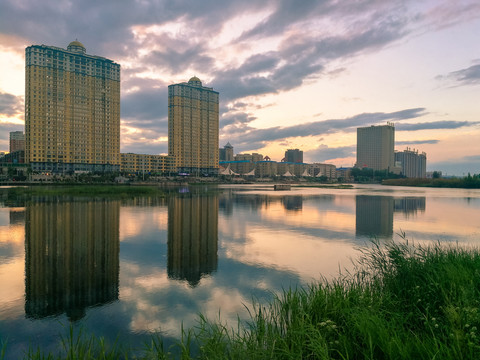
[128, 268]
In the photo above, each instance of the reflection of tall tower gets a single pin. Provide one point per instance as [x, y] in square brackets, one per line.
[71, 256]
[192, 237]
[293, 203]
[374, 216]
[410, 205]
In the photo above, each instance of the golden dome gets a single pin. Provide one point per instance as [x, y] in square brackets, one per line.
[76, 46]
[76, 43]
[194, 79]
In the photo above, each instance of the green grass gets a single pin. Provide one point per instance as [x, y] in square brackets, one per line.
[468, 182]
[403, 301]
[84, 190]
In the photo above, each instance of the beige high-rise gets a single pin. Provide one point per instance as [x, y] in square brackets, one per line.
[193, 128]
[375, 147]
[72, 110]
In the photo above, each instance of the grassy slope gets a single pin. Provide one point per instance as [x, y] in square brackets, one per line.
[404, 302]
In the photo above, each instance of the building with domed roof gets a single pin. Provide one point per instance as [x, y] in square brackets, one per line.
[193, 123]
[72, 110]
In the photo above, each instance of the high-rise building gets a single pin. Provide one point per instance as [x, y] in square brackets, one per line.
[413, 164]
[226, 153]
[17, 141]
[193, 127]
[294, 156]
[72, 110]
[375, 147]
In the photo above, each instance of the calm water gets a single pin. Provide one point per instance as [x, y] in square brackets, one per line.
[130, 268]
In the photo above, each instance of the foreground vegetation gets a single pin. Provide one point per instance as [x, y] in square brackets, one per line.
[468, 182]
[402, 302]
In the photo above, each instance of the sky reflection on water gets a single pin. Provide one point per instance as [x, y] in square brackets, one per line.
[133, 267]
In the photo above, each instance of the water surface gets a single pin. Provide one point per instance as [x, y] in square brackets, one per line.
[128, 268]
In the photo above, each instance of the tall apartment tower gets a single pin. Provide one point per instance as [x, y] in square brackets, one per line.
[72, 110]
[193, 127]
[294, 156]
[375, 147]
[413, 164]
[17, 141]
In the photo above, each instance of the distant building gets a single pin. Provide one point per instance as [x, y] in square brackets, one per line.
[193, 121]
[17, 141]
[226, 153]
[16, 157]
[265, 168]
[344, 173]
[245, 163]
[375, 147]
[413, 164]
[249, 157]
[318, 169]
[294, 156]
[72, 110]
[146, 164]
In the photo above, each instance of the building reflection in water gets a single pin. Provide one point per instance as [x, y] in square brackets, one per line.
[17, 216]
[292, 203]
[192, 237]
[410, 205]
[71, 256]
[374, 214]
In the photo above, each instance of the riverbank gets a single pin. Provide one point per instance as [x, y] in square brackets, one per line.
[402, 302]
[84, 190]
[127, 190]
[469, 182]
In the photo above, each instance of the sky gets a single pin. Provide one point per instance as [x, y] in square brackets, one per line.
[290, 73]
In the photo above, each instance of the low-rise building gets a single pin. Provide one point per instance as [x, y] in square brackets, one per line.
[143, 163]
[319, 169]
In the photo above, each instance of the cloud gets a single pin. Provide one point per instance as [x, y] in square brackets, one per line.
[236, 118]
[434, 125]
[298, 58]
[468, 76]
[460, 166]
[472, 158]
[176, 59]
[416, 142]
[250, 135]
[148, 103]
[11, 104]
[143, 147]
[324, 153]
